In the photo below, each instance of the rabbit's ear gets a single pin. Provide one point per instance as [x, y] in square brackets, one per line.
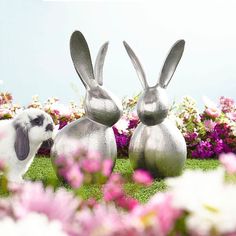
[171, 63]
[22, 147]
[137, 65]
[98, 68]
[82, 60]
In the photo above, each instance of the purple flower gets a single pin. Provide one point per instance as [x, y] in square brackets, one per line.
[122, 141]
[133, 123]
[191, 137]
[219, 146]
[203, 150]
[62, 123]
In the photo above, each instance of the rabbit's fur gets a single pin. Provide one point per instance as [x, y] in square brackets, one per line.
[21, 138]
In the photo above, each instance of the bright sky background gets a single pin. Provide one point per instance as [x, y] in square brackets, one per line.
[35, 57]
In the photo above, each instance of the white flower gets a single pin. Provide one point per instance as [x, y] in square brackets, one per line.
[208, 199]
[35, 97]
[33, 224]
[122, 125]
[209, 103]
[233, 130]
[62, 109]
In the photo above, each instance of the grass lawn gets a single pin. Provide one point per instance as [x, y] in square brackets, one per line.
[42, 170]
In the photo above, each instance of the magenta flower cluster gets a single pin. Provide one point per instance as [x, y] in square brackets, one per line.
[216, 134]
[123, 136]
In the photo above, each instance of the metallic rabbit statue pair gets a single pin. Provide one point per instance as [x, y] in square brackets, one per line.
[156, 145]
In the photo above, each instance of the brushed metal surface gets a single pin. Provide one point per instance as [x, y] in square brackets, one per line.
[156, 144]
[160, 149]
[89, 134]
[102, 108]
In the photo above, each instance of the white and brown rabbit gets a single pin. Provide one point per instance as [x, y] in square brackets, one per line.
[157, 145]
[21, 138]
[102, 109]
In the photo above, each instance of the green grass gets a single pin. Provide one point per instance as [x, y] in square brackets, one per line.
[42, 170]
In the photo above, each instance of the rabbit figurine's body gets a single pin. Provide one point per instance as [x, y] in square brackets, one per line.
[156, 144]
[161, 149]
[102, 110]
[89, 134]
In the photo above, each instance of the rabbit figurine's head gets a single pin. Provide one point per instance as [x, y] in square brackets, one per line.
[153, 105]
[100, 105]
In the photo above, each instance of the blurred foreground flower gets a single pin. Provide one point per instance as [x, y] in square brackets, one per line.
[207, 199]
[33, 224]
[113, 191]
[229, 162]
[142, 177]
[196, 203]
[58, 206]
[83, 166]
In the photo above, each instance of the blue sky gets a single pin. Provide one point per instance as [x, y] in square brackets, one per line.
[35, 57]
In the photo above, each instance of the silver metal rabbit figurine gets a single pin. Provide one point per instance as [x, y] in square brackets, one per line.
[102, 109]
[157, 145]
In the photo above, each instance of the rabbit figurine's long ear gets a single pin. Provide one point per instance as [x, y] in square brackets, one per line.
[98, 68]
[82, 60]
[22, 147]
[137, 65]
[171, 63]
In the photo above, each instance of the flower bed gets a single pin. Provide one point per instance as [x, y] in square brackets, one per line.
[188, 207]
[207, 133]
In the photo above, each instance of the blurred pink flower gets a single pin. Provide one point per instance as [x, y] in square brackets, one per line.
[167, 214]
[74, 176]
[63, 160]
[82, 165]
[5, 208]
[90, 165]
[102, 220]
[113, 189]
[93, 162]
[227, 104]
[2, 165]
[209, 125]
[211, 108]
[32, 197]
[213, 112]
[127, 203]
[231, 115]
[229, 162]
[142, 177]
[158, 215]
[107, 167]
